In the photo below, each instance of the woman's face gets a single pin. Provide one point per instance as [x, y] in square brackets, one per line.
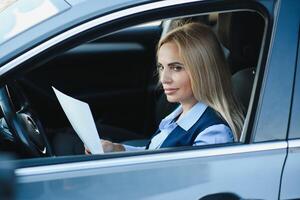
[173, 75]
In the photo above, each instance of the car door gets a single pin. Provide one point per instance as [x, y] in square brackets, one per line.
[250, 169]
[290, 177]
[7, 177]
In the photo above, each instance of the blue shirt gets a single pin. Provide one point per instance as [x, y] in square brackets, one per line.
[214, 134]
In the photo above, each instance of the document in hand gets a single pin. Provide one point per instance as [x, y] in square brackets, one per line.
[81, 119]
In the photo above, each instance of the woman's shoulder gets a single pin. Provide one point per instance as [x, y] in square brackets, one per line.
[211, 117]
[213, 113]
[215, 134]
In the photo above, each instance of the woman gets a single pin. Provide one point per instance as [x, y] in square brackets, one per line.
[194, 73]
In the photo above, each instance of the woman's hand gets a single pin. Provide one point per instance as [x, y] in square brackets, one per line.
[108, 146]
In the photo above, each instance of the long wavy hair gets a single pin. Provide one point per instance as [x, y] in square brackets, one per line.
[209, 72]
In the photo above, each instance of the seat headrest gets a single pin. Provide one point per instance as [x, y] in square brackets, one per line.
[242, 82]
[241, 33]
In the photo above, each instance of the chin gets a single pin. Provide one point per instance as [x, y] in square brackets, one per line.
[172, 99]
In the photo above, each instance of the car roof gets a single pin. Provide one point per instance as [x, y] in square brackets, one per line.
[77, 12]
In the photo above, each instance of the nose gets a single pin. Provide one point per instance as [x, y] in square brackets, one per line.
[165, 76]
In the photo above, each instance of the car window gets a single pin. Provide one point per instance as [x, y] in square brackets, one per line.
[18, 15]
[74, 2]
[6, 3]
[116, 74]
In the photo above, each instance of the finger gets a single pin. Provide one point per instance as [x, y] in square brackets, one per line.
[87, 151]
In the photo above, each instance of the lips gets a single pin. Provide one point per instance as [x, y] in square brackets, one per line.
[169, 91]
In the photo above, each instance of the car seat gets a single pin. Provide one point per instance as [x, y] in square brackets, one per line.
[241, 33]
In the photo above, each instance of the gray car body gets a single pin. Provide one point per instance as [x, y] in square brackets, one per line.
[265, 167]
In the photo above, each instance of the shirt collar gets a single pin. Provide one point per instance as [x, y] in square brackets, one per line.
[169, 119]
[191, 117]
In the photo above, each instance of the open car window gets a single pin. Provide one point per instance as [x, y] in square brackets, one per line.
[116, 75]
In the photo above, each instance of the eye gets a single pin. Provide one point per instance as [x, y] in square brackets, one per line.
[176, 68]
[160, 67]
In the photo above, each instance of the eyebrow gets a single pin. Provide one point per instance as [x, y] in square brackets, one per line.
[175, 63]
[171, 64]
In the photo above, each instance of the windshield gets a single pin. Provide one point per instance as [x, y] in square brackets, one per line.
[17, 16]
[5, 3]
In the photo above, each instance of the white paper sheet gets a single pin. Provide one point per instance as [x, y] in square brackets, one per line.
[81, 119]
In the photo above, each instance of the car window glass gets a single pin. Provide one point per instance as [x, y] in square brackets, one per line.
[74, 2]
[6, 3]
[17, 16]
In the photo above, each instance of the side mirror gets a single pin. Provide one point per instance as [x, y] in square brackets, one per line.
[7, 178]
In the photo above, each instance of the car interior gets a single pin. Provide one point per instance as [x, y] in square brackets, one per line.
[116, 75]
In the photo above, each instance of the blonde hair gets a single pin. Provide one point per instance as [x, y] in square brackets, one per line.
[209, 73]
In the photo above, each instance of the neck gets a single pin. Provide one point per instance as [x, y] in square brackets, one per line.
[186, 106]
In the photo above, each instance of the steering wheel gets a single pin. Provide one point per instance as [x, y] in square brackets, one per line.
[26, 128]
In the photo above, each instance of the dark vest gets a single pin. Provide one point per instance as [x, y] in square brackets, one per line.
[179, 137]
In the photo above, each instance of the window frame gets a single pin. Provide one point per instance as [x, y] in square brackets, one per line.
[90, 28]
